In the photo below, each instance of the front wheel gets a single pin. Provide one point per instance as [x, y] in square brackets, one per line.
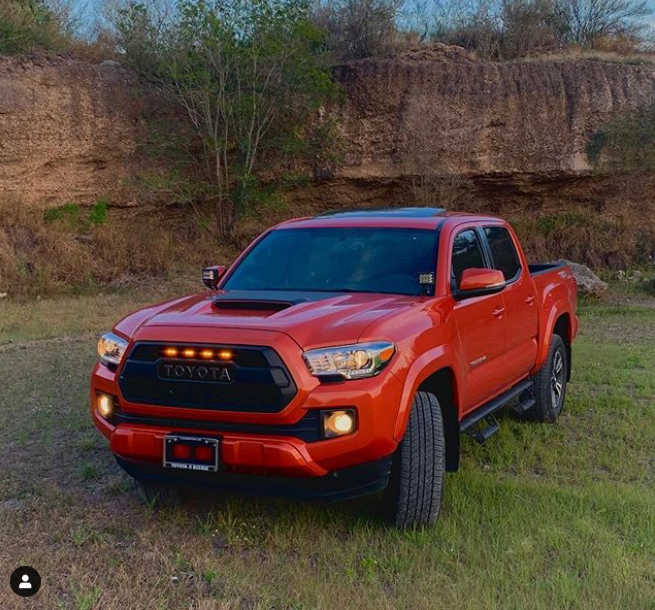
[415, 490]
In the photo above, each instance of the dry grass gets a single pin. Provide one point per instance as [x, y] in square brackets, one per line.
[626, 56]
[600, 241]
[46, 257]
[64, 257]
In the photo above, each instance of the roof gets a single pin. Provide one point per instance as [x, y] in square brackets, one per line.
[408, 218]
[384, 213]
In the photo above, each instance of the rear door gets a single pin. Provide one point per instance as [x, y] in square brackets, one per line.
[480, 324]
[521, 315]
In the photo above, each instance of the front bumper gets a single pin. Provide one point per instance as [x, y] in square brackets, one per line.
[262, 444]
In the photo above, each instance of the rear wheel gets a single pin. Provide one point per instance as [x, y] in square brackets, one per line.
[415, 490]
[549, 384]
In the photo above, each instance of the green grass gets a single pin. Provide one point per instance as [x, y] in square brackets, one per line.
[542, 517]
[70, 316]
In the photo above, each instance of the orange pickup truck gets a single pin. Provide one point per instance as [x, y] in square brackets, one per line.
[340, 355]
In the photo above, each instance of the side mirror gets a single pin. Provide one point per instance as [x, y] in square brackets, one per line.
[480, 282]
[211, 276]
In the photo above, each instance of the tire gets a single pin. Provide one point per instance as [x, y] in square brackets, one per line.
[549, 401]
[413, 498]
[156, 495]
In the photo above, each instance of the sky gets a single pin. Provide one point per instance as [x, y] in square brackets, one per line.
[651, 3]
[90, 5]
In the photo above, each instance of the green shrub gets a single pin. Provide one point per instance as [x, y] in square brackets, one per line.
[27, 24]
[99, 213]
[69, 213]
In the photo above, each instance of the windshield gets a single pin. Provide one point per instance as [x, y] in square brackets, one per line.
[347, 259]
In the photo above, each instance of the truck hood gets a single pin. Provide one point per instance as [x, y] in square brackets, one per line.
[311, 319]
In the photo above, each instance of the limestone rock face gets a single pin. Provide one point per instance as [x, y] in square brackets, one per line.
[71, 131]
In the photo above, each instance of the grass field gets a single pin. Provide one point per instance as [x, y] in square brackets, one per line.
[542, 517]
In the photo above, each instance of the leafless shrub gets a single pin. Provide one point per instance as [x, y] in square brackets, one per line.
[529, 28]
[588, 22]
[506, 29]
[358, 28]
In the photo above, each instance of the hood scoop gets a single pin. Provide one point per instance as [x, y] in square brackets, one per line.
[255, 306]
[264, 302]
[256, 302]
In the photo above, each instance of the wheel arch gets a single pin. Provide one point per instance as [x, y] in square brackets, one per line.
[563, 328]
[559, 322]
[443, 385]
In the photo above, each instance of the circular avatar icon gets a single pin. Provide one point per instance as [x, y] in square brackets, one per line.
[25, 581]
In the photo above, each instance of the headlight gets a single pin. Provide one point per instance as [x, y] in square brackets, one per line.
[111, 349]
[350, 361]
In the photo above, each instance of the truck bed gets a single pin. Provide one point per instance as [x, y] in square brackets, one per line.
[539, 268]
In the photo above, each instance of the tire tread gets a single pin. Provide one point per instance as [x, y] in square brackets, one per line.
[420, 470]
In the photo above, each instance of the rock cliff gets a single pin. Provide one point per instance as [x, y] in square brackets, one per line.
[429, 126]
[70, 131]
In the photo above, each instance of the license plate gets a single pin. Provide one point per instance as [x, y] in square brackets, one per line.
[191, 453]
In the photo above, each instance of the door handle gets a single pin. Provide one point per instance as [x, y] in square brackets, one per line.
[498, 312]
[529, 299]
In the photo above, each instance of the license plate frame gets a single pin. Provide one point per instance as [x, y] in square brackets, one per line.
[192, 464]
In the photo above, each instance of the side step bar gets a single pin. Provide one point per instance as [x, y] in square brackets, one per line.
[485, 413]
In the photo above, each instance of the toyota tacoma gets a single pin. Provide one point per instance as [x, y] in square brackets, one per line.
[340, 355]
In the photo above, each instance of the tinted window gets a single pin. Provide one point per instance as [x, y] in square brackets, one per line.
[467, 254]
[352, 259]
[503, 251]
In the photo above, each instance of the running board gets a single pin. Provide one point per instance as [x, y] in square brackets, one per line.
[485, 414]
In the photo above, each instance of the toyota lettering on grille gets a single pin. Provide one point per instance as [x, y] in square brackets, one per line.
[176, 371]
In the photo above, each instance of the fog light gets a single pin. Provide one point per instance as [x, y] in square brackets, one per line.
[105, 405]
[338, 423]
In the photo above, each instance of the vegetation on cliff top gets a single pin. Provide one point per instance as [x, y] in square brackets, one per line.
[251, 78]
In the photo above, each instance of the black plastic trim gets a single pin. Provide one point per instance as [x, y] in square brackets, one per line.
[307, 429]
[337, 486]
[493, 405]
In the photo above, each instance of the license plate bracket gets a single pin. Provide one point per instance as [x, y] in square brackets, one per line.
[193, 453]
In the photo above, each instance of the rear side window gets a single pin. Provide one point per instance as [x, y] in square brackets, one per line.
[503, 252]
[467, 254]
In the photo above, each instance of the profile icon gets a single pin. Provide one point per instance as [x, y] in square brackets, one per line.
[26, 584]
[25, 581]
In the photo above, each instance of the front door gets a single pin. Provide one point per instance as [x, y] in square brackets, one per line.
[481, 327]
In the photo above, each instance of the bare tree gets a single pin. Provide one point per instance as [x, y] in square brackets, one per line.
[588, 21]
[514, 28]
[528, 27]
[358, 28]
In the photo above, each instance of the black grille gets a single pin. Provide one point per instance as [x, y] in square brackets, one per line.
[258, 380]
